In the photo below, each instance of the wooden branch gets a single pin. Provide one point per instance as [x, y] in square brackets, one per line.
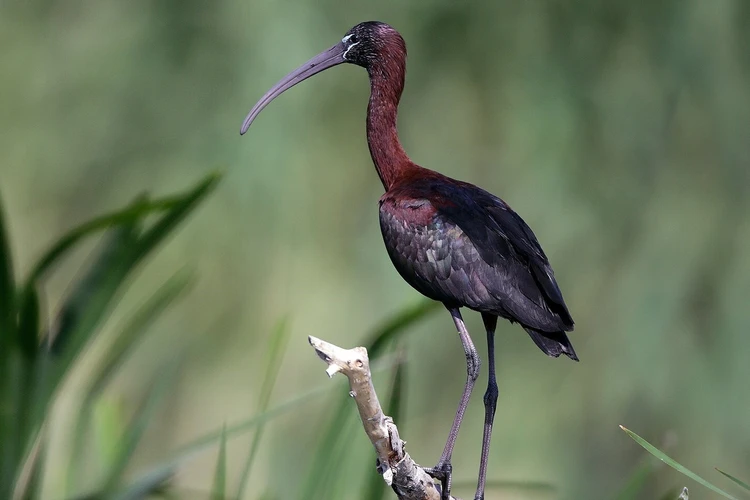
[407, 479]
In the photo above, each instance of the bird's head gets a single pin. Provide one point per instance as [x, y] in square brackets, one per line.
[367, 42]
[362, 45]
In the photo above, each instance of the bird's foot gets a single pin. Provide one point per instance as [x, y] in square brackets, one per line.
[442, 472]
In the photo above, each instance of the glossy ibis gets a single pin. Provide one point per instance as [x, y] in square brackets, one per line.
[452, 241]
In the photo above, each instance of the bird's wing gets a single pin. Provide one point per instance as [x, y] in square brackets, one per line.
[504, 241]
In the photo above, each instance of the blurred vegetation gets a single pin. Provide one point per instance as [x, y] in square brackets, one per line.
[618, 129]
[684, 470]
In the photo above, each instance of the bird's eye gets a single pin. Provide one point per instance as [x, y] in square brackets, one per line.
[350, 41]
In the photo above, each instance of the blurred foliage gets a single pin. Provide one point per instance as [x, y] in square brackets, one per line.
[35, 359]
[679, 467]
[617, 129]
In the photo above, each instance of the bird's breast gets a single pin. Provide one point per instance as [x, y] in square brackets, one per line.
[432, 254]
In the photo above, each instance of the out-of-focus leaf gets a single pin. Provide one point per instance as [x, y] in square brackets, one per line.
[139, 490]
[377, 341]
[738, 481]
[7, 288]
[138, 250]
[530, 490]
[637, 481]
[394, 409]
[164, 226]
[128, 215]
[190, 450]
[28, 477]
[397, 325]
[7, 336]
[218, 491]
[143, 416]
[24, 375]
[332, 480]
[672, 463]
[15, 379]
[133, 332]
[90, 300]
[633, 489]
[276, 349]
[113, 251]
[108, 426]
[51, 372]
[123, 345]
[28, 325]
[150, 483]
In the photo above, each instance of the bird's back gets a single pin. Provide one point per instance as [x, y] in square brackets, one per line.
[462, 246]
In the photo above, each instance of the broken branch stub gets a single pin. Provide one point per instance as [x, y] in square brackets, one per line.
[407, 479]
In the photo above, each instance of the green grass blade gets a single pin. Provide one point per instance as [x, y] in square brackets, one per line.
[277, 347]
[8, 335]
[332, 481]
[206, 441]
[676, 466]
[397, 325]
[397, 400]
[180, 203]
[133, 333]
[28, 325]
[143, 416]
[15, 381]
[126, 216]
[108, 423]
[100, 300]
[513, 489]
[164, 226]
[150, 483]
[113, 251]
[142, 247]
[741, 483]
[135, 253]
[29, 477]
[7, 287]
[28, 342]
[124, 344]
[633, 488]
[192, 449]
[218, 491]
[395, 409]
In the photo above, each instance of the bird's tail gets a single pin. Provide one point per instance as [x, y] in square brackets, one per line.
[553, 343]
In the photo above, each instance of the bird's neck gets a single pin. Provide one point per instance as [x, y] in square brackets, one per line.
[386, 85]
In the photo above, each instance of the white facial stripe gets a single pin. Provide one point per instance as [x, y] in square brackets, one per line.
[349, 48]
[347, 37]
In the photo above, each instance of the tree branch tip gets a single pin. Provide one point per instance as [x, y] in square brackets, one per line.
[399, 471]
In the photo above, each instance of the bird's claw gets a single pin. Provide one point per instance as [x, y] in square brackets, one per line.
[442, 472]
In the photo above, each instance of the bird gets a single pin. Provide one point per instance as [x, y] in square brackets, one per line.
[452, 241]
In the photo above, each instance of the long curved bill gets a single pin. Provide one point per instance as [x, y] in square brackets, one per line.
[324, 60]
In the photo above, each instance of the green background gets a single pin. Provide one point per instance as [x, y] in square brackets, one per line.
[619, 130]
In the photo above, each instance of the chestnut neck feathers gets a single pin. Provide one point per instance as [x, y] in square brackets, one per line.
[387, 73]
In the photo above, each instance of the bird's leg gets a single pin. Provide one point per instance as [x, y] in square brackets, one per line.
[442, 470]
[490, 404]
